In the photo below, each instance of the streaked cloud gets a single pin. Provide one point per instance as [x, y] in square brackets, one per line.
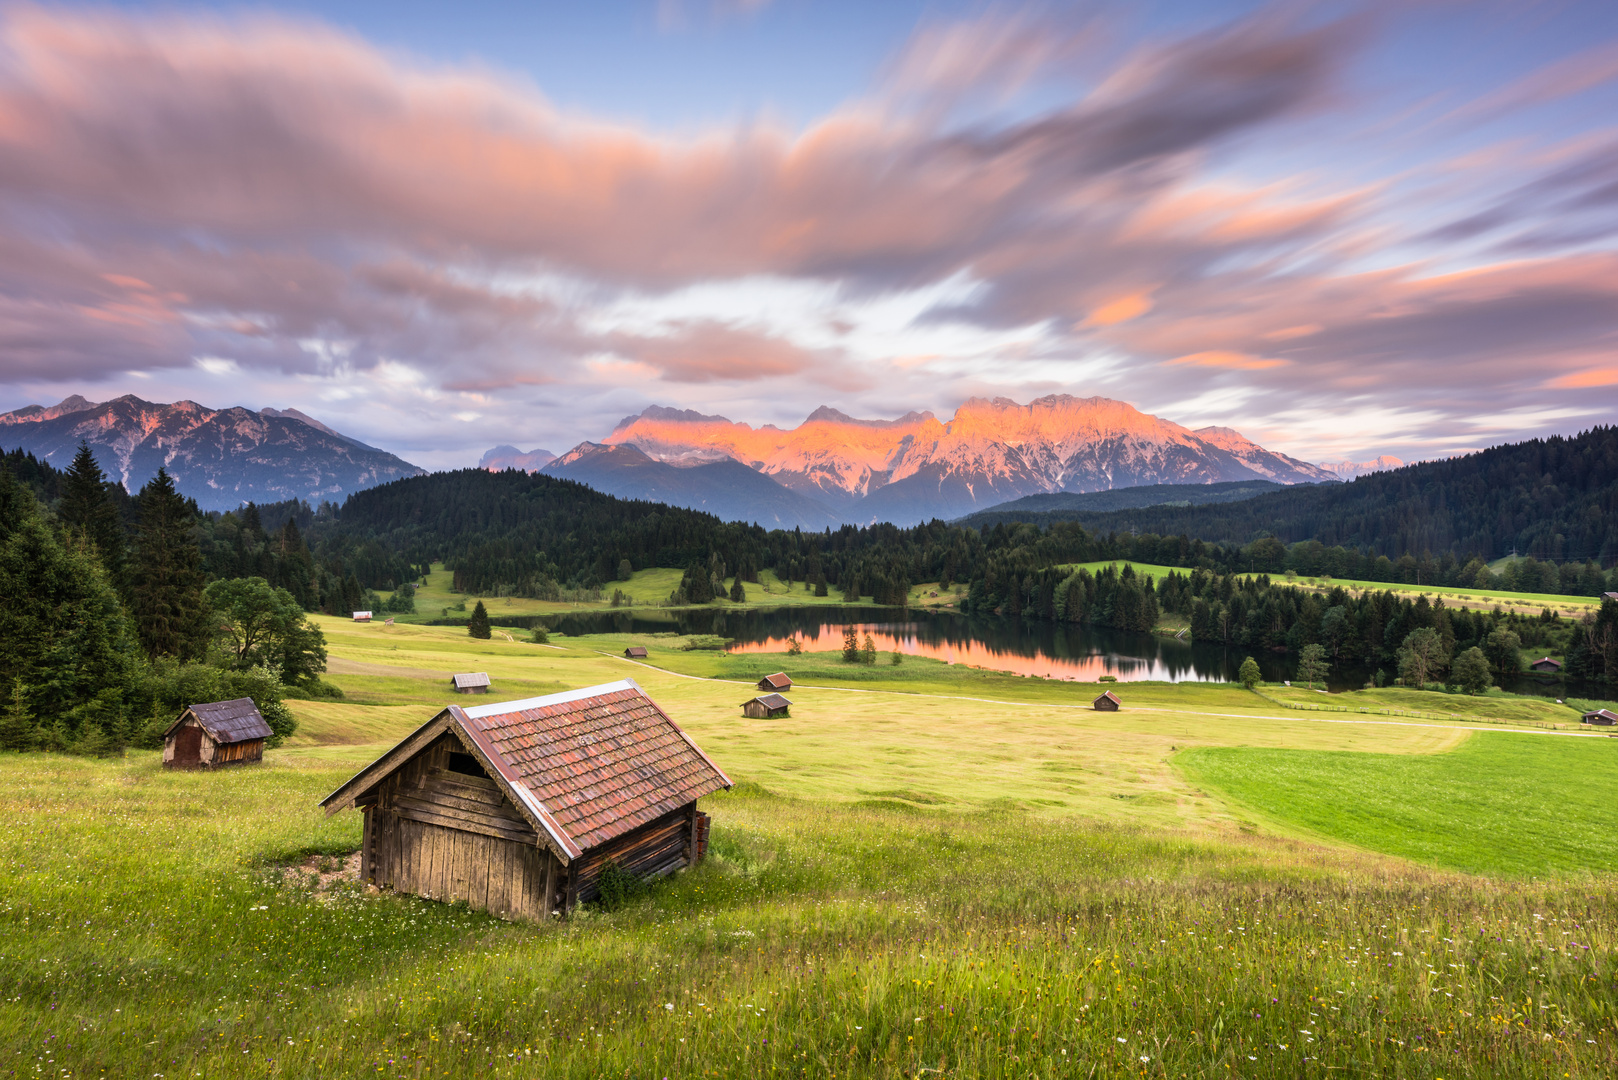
[1030, 201]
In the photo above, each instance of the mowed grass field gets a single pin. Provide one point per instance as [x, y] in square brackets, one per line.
[922, 872]
[1505, 804]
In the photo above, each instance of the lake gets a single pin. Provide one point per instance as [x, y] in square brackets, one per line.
[1082, 653]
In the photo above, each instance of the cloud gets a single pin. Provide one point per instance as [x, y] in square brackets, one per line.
[1221, 358]
[1029, 199]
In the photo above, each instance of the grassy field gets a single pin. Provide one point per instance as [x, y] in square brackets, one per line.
[924, 871]
[1507, 804]
[1531, 603]
[646, 589]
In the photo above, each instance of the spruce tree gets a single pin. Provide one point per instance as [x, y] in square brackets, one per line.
[17, 722]
[478, 624]
[851, 646]
[166, 575]
[88, 512]
[737, 593]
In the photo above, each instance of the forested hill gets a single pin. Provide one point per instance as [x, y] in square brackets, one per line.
[535, 535]
[1554, 498]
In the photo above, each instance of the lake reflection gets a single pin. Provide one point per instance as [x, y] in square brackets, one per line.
[1086, 663]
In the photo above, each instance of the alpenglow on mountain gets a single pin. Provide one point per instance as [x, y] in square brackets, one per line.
[917, 467]
[220, 457]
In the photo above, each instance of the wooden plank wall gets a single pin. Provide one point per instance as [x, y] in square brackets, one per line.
[448, 836]
[657, 848]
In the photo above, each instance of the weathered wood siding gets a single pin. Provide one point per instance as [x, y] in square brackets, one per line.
[445, 835]
[449, 836]
[657, 848]
[211, 755]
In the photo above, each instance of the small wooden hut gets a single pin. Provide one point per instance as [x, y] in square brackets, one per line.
[636, 652]
[362, 616]
[214, 735]
[1546, 666]
[515, 807]
[1603, 717]
[766, 706]
[472, 682]
[778, 681]
[1107, 702]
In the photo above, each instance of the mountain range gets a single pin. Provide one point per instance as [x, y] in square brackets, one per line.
[1348, 470]
[222, 458]
[914, 468]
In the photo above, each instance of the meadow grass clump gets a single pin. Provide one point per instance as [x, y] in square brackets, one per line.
[141, 933]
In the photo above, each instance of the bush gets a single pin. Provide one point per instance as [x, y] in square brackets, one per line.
[619, 887]
[172, 687]
[1249, 674]
[540, 636]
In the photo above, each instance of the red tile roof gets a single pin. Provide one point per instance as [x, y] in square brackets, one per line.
[601, 761]
[778, 681]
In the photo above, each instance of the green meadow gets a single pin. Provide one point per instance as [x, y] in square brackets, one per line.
[924, 871]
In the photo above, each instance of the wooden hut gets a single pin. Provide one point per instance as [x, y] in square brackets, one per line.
[472, 682]
[214, 735]
[1546, 666]
[765, 706]
[1107, 702]
[776, 682]
[362, 616]
[1603, 717]
[636, 652]
[515, 807]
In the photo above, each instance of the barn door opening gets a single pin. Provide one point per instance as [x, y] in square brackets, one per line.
[188, 747]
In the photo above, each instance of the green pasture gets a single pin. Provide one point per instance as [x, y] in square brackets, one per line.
[646, 589]
[925, 870]
[1502, 804]
[1572, 605]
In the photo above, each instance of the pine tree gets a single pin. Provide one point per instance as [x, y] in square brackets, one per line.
[166, 576]
[17, 722]
[851, 646]
[738, 594]
[89, 513]
[478, 625]
[869, 652]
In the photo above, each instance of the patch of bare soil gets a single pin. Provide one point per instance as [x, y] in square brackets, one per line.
[322, 872]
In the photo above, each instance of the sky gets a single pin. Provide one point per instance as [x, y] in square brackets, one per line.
[1344, 229]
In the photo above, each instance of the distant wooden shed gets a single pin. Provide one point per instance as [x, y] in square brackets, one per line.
[216, 734]
[1107, 702]
[1603, 717]
[779, 681]
[1609, 596]
[765, 706]
[362, 616]
[472, 682]
[515, 807]
[1546, 665]
[636, 652]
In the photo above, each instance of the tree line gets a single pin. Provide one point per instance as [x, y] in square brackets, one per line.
[111, 624]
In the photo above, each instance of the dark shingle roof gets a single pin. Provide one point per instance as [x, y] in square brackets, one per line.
[601, 761]
[471, 678]
[773, 701]
[229, 721]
